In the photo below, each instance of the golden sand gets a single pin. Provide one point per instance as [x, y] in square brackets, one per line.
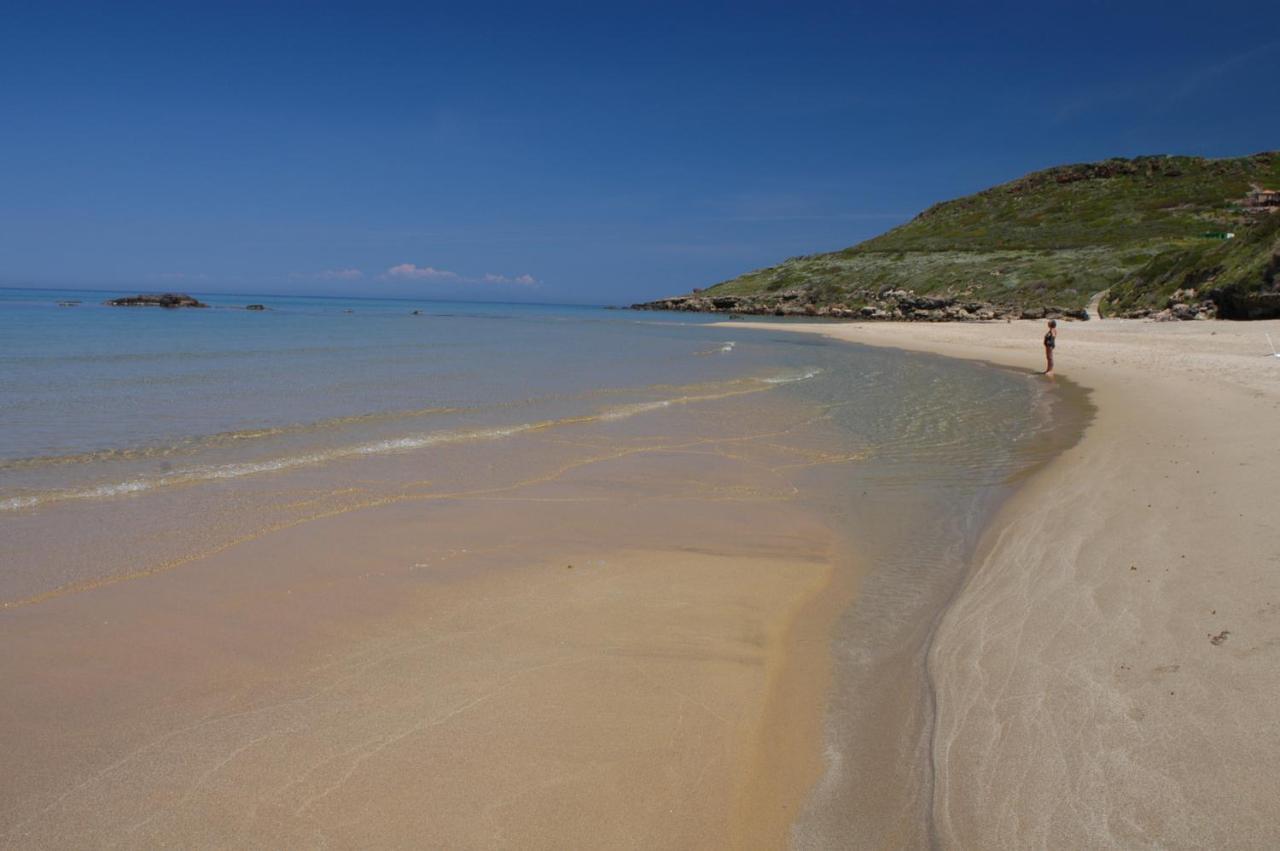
[571, 663]
[1107, 678]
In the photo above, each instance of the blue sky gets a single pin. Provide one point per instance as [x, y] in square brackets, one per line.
[593, 152]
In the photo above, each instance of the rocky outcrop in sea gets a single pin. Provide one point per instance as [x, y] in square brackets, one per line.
[156, 300]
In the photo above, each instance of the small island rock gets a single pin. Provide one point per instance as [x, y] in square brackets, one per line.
[160, 300]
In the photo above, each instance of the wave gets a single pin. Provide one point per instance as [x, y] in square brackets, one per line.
[812, 372]
[722, 349]
[411, 442]
[622, 412]
[192, 445]
[234, 471]
[239, 437]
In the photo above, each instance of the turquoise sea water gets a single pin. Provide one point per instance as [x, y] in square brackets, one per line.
[95, 397]
[135, 440]
[90, 377]
[103, 405]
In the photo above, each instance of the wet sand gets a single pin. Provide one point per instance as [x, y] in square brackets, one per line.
[1107, 676]
[627, 653]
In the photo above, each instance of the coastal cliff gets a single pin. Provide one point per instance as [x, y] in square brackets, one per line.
[1162, 236]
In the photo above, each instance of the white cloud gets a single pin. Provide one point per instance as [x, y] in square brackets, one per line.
[346, 274]
[525, 280]
[341, 274]
[413, 272]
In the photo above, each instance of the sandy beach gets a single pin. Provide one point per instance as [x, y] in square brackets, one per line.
[1107, 676]
[639, 631]
[626, 427]
[624, 651]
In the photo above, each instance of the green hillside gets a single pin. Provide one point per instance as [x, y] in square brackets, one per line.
[1142, 228]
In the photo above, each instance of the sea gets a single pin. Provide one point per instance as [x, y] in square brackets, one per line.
[135, 440]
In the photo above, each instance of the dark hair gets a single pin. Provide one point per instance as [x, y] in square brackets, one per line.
[1053, 323]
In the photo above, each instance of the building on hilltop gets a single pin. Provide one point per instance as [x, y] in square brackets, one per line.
[1259, 197]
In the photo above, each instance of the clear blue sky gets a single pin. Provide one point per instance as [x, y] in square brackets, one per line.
[608, 153]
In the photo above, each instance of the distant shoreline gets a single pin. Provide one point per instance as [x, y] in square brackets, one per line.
[221, 294]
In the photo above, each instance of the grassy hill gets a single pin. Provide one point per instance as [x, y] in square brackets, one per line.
[1137, 227]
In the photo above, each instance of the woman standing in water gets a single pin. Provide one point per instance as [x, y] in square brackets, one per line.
[1050, 340]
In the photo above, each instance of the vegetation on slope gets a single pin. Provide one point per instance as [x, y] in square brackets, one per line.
[1240, 276]
[1143, 228]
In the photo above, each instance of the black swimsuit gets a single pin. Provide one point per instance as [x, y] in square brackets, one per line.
[1049, 340]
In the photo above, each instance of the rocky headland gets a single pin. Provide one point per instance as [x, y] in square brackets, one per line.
[907, 306]
[1164, 237]
[896, 305]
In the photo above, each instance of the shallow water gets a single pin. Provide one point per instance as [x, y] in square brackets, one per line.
[219, 408]
[137, 440]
